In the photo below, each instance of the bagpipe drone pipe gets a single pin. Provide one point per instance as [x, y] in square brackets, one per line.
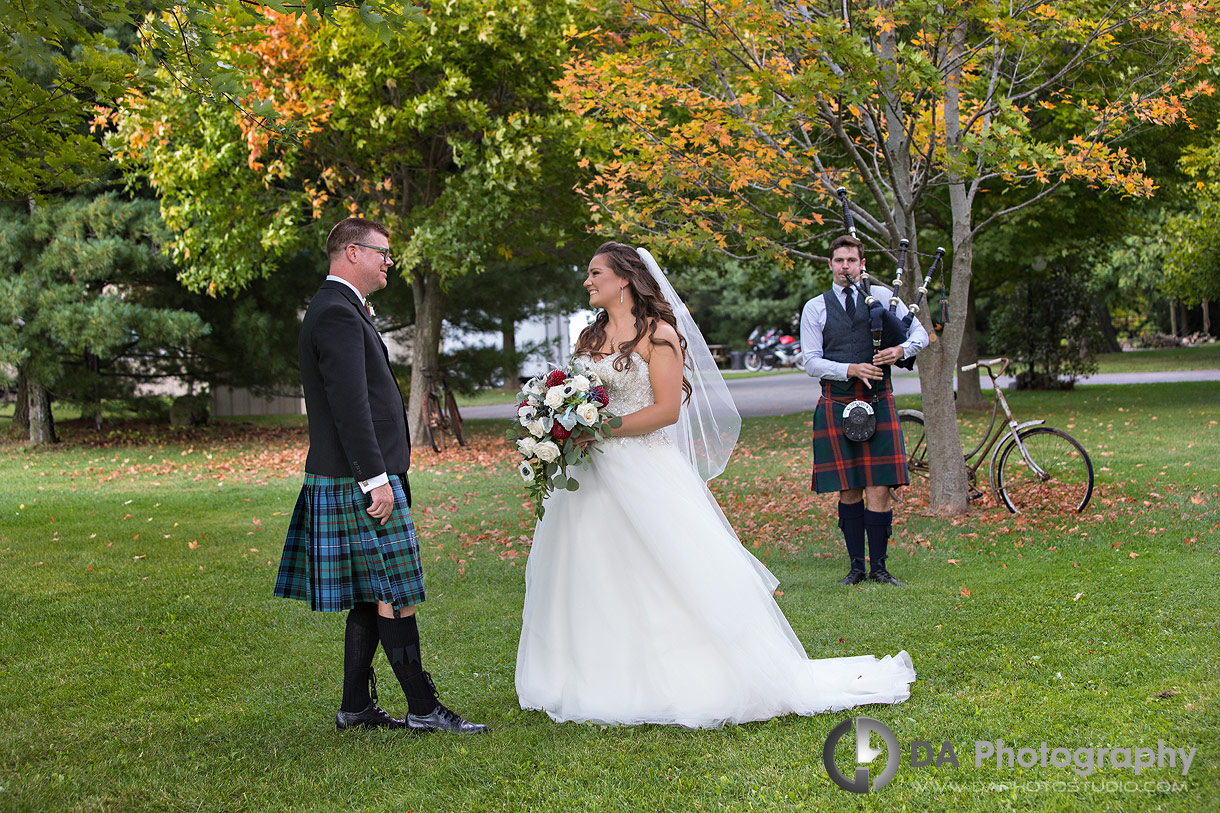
[889, 329]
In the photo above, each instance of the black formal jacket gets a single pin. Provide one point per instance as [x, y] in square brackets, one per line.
[357, 420]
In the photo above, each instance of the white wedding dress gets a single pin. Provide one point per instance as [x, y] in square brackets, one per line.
[641, 606]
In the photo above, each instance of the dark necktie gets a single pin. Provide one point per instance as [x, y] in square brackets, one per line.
[849, 303]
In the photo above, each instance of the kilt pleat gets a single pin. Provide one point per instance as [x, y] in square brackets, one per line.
[840, 464]
[336, 555]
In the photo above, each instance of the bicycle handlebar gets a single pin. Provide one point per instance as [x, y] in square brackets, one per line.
[987, 365]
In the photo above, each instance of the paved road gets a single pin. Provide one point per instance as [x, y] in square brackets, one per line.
[792, 392]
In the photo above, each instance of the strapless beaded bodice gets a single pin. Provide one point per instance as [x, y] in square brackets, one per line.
[630, 390]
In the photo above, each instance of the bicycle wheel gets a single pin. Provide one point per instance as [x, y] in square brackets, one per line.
[1065, 482]
[753, 362]
[910, 421]
[435, 422]
[455, 417]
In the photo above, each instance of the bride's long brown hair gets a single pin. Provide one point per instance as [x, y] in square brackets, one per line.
[649, 309]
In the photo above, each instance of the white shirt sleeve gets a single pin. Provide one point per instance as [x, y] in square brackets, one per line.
[917, 339]
[373, 482]
[813, 319]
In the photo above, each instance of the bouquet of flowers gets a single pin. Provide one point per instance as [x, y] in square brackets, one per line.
[553, 409]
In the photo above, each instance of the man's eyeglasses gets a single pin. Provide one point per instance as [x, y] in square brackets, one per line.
[384, 252]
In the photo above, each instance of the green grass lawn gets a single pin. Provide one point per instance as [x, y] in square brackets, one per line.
[145, 665]
[1203, 357]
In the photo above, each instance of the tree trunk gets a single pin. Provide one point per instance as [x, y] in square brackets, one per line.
[21, 412]
[94, 408]
[1106, 322]
[429, 312]
[969, 393]
[1207, 317]
[949, 494]
[42, 423]
[1173, 317]
[508, 347]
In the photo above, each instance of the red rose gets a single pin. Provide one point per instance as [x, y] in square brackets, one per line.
[599, 395]
[559, 433]
[556, 377]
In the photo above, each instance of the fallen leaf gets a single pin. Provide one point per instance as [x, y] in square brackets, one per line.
[1078, 595]
[141, 556]
[953, 561]
[966, 592]
[193, 545]
[1134, 554]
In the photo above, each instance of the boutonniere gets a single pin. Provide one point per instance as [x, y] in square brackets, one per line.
[368, 306]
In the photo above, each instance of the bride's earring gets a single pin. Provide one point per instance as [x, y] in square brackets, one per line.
[620, 295]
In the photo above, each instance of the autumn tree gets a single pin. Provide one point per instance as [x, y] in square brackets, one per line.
[65, 62]
[446, 131]
[732, 122]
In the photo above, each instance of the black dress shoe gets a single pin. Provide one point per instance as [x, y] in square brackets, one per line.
[370, 717]
[880, 574]
[442, 718]
[856, 574]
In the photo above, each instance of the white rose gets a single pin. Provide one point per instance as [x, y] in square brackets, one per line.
[547, 451]
[587, 414]
[535, 428]
[526, 446]
[554, 397]
[581, 383]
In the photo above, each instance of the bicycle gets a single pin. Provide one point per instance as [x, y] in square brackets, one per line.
[441, 415]
[1035, 467]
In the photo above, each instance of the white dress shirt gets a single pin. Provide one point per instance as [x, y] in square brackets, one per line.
[813, 320]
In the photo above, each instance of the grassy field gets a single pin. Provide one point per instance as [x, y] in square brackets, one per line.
[145, 665]
[1203, 357]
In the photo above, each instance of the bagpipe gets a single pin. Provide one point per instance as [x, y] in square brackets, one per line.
[889, 329]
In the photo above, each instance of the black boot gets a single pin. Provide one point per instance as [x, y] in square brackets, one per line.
[878, 573]
[856, 574]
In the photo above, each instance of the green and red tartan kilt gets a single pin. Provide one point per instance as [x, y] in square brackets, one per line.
[336, 555]
[840, 464]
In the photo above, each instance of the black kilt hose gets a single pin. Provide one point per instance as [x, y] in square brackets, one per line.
[840, 464]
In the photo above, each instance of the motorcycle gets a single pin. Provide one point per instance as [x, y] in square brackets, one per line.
[771, 349]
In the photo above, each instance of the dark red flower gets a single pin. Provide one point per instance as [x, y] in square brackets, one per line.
[559, 433]
[526, 402]
[599, 395]
[556, 377]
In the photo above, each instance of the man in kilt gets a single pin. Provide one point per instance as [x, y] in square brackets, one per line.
[837, 347]
[351, 544]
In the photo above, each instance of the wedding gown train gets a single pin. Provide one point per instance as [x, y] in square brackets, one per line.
[643, 607]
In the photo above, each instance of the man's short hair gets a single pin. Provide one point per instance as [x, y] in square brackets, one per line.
[352, 230]
[847, 241]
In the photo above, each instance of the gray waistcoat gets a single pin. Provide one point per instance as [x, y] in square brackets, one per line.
[847, 340]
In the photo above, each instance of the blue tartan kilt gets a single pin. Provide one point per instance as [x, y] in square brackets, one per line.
[336, 555]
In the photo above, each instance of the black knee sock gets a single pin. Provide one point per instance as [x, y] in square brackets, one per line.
[877, 525]
[359, 647]
[851, 522]
[400, 640]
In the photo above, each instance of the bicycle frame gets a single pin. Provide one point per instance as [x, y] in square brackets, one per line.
[991, 445]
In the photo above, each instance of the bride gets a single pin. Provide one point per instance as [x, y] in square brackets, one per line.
[641, 605]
